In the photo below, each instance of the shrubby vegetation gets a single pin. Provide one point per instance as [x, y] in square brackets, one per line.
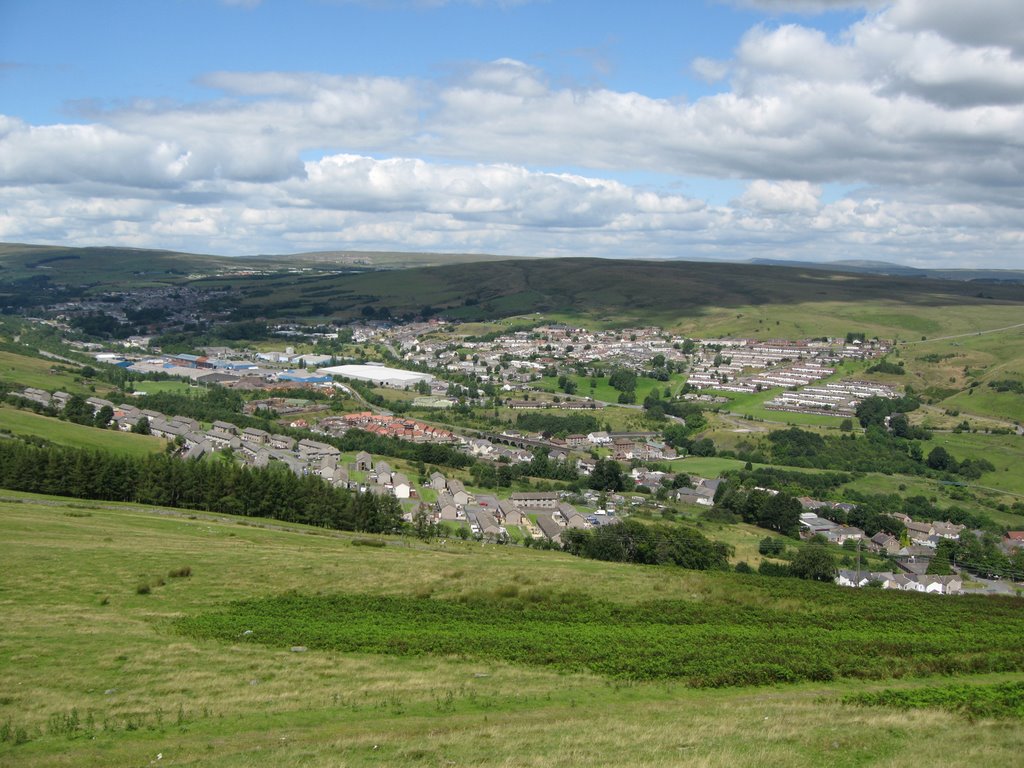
[787, 632]
[873, 513]
[872, 410]
[1008, 385]
[217, 404]
[795, 483]
[383, 445]
[1004, 700]
[876, 452]
[779, 512]
[884, 366]
[691, 413]
[552, 424]
[502, 475]
[981, 556]
[814, 562]
[631, 541]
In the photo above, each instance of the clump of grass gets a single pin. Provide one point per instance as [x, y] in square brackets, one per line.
[105, 600]
[143, 588]
[180, 573]
[367, 543]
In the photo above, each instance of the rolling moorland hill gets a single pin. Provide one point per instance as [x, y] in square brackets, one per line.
[113, 267]
[887, 268]
[612, 290]
[106, 266]
[482, 287]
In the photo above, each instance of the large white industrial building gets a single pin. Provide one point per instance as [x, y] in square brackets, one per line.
[380, 375]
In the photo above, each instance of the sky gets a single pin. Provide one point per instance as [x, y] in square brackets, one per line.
[817, 130]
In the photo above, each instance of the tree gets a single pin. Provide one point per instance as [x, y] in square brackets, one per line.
[781, 513]
[846, 425]
[939, 458]
[771, 547]
[814, 562]
[623, 380]
[703, 447]
[607, 476]
[103, 417]
[939, 565]
[76, 410]
[141, 427]
[423, 526]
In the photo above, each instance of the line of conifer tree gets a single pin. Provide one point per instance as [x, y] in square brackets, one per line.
[214, 486]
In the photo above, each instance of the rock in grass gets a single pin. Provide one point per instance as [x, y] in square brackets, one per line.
[299, 649]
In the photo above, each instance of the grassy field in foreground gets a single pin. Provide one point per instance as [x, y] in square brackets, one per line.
[93, 673]
[20, 422]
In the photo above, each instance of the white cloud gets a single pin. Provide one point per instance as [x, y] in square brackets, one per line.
[781, 197]
[924, 117]
[710, 70]
[980, 23]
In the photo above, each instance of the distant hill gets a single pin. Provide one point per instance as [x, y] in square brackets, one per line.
[608, 288]
[85, 266]
[681, 294]
[887, 268]
[101, 266]
[385, 259]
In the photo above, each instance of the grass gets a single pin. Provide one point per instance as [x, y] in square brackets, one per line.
[177, 387]
[707, 466]
[604, 392]
[133, 688]
[1004, 451]
[987, 402]
[944, 369]
[28, 423]
[36, 372]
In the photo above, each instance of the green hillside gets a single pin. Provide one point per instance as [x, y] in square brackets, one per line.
[714, 297]
[117, 268]
[100, 658]
[106, 266]
[27, 423]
